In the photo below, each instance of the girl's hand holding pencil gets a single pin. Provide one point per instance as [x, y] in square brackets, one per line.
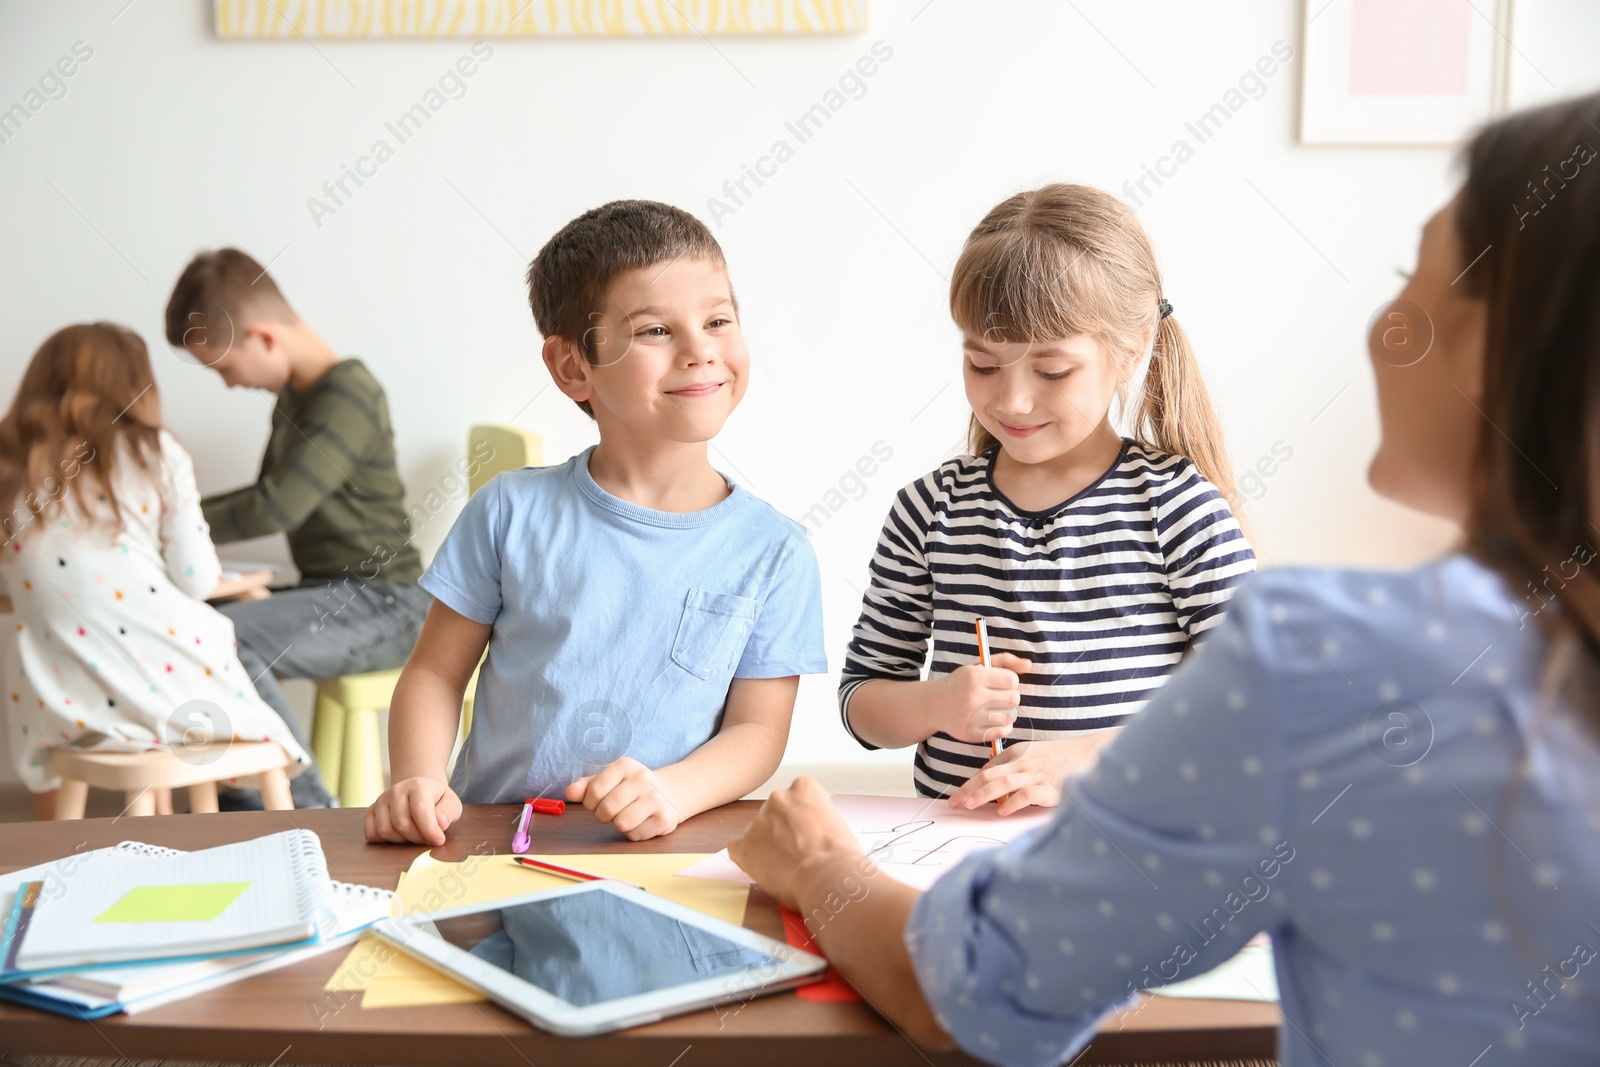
[979, 704]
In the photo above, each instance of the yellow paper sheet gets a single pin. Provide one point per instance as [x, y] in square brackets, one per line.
[391, 979]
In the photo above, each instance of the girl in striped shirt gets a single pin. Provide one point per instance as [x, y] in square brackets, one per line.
[1094, 558]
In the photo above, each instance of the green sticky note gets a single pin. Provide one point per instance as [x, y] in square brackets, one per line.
[198, 902]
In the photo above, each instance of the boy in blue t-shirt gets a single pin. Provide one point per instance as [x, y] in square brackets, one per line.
[646, 620]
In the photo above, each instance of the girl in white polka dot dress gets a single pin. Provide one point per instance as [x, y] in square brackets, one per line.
[106, 558]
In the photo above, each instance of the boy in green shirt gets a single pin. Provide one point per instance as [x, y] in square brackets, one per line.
[328, 482]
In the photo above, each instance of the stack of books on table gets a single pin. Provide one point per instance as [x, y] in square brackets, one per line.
[135, 926]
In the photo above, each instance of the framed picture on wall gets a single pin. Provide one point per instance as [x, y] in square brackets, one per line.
[292, 20]
[1402, 72]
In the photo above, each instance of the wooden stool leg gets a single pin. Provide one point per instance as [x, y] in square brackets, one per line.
[203, 798]
[140, 802]
[327, 739]
[275, 790]
[163, 801]
[71, 799]
[44, 805]
[361, 777]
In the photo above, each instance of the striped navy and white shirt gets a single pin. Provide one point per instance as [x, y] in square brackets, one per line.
[1103, 593]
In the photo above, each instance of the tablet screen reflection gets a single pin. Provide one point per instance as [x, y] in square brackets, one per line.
[587, 948]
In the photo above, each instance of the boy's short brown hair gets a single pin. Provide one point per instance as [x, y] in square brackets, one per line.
[219, 293]
[567, 280]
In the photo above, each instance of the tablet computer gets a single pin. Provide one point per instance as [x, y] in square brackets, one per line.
[599, 956]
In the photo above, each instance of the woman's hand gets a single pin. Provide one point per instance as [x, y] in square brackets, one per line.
[797, 840]
[801, 852]
[1030, 772]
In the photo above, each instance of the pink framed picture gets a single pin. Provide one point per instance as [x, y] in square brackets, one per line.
[1402, 72]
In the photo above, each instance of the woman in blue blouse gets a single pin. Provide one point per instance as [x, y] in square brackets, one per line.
[1395, 774]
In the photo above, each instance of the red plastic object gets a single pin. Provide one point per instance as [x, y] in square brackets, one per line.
[832, 988]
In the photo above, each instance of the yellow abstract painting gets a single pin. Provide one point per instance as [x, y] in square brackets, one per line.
[361, 19]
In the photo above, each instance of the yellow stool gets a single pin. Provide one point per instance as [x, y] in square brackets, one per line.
[496, 449]
[345, 739]
[196, 767]
[344, 734]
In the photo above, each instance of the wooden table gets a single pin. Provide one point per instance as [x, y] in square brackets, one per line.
[249, 585]
[286, 1014]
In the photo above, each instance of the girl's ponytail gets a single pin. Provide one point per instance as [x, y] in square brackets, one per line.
[1174, 411]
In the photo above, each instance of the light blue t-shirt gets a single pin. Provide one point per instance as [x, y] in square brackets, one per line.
[1361, 764]
[617, 628]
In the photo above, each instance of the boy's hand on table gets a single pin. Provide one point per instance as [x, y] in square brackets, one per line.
[978, 704]
[414, 811]
[1028, 772]
[629, 796]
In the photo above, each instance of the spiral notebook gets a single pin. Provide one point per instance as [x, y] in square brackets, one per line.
[272, 892]
[104, 990]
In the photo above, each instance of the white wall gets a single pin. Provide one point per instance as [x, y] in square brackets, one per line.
[1275, 255]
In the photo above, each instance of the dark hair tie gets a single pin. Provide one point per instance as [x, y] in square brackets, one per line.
[1166, 308]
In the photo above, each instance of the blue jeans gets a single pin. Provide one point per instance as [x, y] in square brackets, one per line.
[323, 630]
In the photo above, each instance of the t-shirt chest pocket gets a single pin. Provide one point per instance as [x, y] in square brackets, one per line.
[713, 631]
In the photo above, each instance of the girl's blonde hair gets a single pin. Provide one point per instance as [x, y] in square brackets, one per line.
[78, 398]
[1070, 260]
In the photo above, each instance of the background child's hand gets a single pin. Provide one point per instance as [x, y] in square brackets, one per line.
[629, 796]
[978, 703]
[415, 811]
[1028, 772]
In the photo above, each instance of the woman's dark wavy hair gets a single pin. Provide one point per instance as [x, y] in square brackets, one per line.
[1531, 206]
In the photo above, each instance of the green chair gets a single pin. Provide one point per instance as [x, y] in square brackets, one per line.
[345, 739]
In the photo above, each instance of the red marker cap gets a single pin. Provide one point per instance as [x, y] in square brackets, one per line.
[546, 806]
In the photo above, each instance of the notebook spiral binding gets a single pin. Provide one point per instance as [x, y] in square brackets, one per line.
[361, 892]
[343, 890]
[305, 853]
[139, 848]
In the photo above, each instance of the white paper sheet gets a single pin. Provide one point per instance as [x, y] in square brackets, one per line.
[911, 839]
[1250, 975]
